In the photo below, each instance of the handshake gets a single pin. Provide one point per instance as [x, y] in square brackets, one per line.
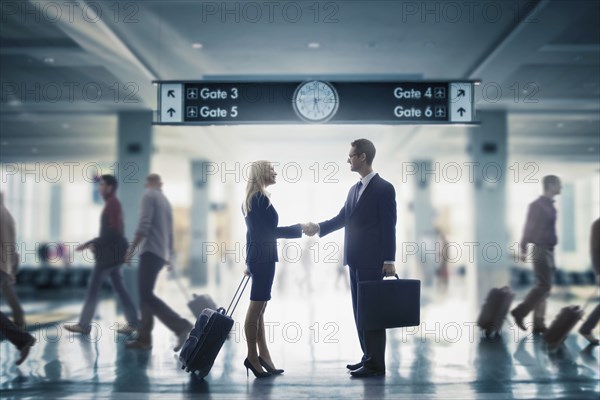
[310, 228]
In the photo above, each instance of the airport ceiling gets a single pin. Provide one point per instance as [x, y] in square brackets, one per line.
[67, 69]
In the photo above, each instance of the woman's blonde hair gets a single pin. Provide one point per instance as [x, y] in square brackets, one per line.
[259, 171]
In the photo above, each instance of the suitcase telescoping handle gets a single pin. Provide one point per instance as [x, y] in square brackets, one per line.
[590, 299]
[244, 278]
[182, 288]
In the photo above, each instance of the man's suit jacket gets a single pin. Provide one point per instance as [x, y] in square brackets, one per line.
[262, 233]
[370, 234]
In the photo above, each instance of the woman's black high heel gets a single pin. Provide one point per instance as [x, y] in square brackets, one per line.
[269, 369]
[256, 373]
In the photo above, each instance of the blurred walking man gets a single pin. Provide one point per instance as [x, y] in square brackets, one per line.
[155, 230]
[594, 317]
[9, 259]
[540, 229]
[108, 248]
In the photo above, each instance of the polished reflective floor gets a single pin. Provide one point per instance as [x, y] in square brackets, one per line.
[312, 337]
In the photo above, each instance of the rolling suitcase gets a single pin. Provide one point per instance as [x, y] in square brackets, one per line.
[561, 326]
[494, 310]
[564, 322]
[208, 335]
[197, 303]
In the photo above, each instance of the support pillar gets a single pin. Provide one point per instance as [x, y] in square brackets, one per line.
[424, 219]
[198, 267]
[488, 150]
[134, 156]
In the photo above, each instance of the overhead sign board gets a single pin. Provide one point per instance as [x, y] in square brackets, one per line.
[315, 101]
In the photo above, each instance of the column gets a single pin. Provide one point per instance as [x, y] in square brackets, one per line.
[198, 261]
[567, 208]
[424, 218]
[488, 150]
[55, 213]
[134, 156]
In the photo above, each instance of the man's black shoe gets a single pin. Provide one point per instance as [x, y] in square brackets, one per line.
[363, 372]
[518, 320]
[354, 367]
[539, 330]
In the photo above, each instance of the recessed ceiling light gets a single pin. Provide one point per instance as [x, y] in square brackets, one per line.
[560, 125]
[65, 125]
[4, 143]
[14, 102]
[49, 60]
[197, 45]
[591, 148]
[34, 150]
[314, 45]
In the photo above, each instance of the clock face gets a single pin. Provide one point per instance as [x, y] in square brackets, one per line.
[315, 101]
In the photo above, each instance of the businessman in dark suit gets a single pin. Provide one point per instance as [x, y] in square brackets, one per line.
[369, 216]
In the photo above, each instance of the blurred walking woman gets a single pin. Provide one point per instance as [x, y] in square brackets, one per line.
[261, 256]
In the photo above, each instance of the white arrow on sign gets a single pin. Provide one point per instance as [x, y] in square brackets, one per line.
[171, 102]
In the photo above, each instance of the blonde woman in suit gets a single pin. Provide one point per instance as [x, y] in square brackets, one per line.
[261, 256]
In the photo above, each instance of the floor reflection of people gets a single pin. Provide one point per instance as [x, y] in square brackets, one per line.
[131, 371]
[536, 364]
[53, 365]
[199, 386]
[569, 374]
[374, 388]
[588, 357]
[421, 368]
[260, 389]
[494, 367]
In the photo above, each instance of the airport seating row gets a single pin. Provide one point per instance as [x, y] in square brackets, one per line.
[44, 278]
[521, 276]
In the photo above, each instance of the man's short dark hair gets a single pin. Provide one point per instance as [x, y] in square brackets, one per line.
[550, 180]
[364, 146]
[110, 180]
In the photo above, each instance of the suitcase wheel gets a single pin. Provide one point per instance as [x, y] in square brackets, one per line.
[491, 333]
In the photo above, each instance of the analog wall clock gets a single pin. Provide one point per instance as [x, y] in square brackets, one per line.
[315, 101]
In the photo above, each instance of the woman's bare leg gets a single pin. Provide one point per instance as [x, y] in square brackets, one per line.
[251, 328]
[262, 339]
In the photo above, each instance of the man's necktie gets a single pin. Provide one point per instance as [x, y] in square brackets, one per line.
[356, 192]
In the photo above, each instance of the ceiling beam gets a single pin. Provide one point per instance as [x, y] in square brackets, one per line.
[99, 40]
[527, 37]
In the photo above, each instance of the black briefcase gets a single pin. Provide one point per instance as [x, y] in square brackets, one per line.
[392, 303]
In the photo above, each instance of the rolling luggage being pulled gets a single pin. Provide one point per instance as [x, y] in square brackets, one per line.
[208, 335]
[564, 322]
[494, 310]
[197, 303]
